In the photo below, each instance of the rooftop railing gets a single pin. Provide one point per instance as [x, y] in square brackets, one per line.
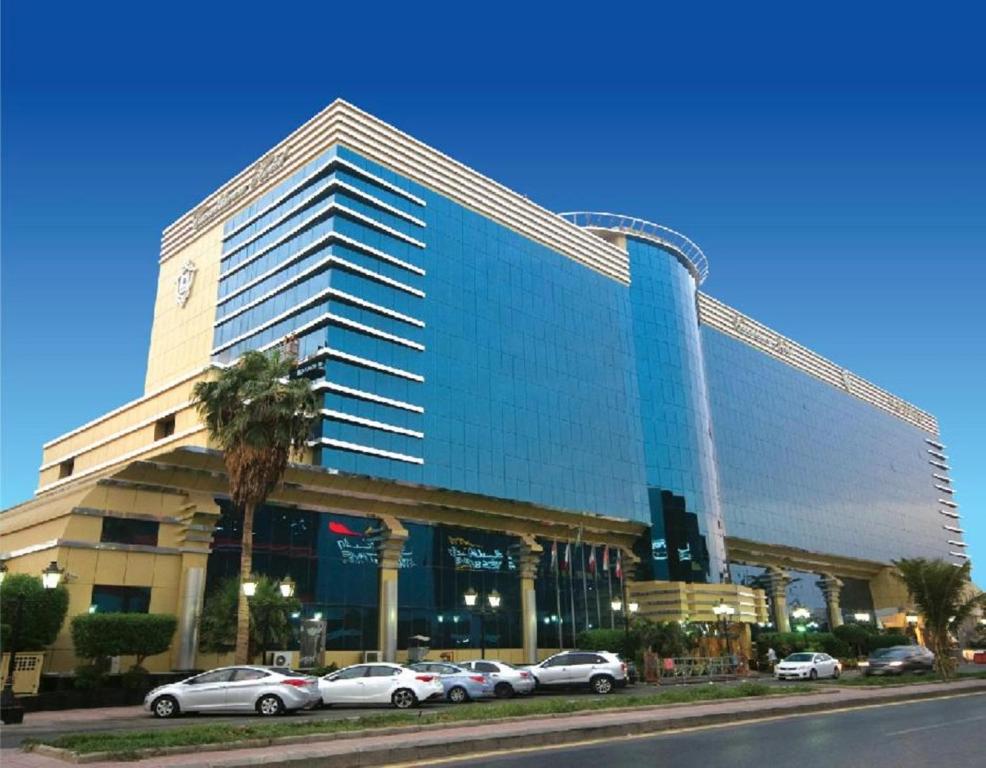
[687, 251]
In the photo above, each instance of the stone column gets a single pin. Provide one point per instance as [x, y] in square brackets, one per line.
[198, 518]
[832, 588]
[777, 581]
[528, 554]
[390, 544]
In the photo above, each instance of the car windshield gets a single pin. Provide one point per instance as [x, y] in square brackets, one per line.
[800, 657]
[889, 653]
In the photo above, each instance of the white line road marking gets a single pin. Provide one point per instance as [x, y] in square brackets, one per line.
[936, 725]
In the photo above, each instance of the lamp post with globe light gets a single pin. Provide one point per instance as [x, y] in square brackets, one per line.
[12, 713]
[723, 611]
[481, 609]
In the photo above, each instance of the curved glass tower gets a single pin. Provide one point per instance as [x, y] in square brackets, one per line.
[666, 268]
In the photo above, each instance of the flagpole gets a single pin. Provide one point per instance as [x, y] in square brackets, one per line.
[609, 579]
[554, 559]
[585, 585]
[571, 588]
[595, 588]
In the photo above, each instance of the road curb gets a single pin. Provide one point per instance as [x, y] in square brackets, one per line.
[464, 745]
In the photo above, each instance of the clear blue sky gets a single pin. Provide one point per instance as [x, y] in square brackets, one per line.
[832, 165]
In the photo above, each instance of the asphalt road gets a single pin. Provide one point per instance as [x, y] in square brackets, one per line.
[944, 733]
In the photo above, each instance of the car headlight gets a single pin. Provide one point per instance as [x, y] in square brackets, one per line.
[895, 663]
[863, 664]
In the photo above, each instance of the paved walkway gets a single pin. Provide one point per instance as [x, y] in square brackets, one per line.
[433, 742]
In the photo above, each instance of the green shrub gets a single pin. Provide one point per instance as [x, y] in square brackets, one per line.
[863, 639]
[614, 640]
[101, 635]
[42, 615]
[91, 676]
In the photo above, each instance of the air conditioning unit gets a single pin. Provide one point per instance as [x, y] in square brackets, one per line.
[372, 656]
[281, 658]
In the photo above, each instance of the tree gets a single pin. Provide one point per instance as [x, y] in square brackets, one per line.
[42, 615]
[270, 618]
[941, 593]
[666, 638]
[257, 415]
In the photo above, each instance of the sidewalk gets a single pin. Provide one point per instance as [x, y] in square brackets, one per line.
[442, 741]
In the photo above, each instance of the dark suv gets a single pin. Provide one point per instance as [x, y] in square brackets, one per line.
[601, 671]
[898, 660]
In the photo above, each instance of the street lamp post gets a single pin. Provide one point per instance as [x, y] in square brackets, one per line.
[12, 713]
[616, 605]
[481, 609]
[722, 611]
[801, 614]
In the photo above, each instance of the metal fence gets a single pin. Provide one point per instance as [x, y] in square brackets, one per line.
[691, 668]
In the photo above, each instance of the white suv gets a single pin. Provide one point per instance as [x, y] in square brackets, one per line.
[601, 671]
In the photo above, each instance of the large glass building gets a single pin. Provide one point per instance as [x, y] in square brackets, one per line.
[545, 406]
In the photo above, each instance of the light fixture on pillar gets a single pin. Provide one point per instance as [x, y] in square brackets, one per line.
[250, 586]
[470, 597]
[287, 587]
[494, 599]
[633, 607]
[51, 576]
[616, 605]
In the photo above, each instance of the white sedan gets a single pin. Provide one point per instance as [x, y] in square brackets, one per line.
[379, 684]
[807, 666]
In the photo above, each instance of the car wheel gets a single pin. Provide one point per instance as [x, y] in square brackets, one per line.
[165, 706]
[270, 705]
[813, 675]
[601, 684]
[403, 698]
[836, 672]
[458, 695]
[503, 690]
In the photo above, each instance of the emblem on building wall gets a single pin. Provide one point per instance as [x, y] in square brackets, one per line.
[183, 283]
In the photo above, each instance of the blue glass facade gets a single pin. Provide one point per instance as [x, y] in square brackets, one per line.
[451, 351]
[686, 526]
[455, 352]
[802, 464]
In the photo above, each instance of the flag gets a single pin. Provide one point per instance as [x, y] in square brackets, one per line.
[566, 562]
[592, 560]
[606, 559]
[619, 564]
[554, 557]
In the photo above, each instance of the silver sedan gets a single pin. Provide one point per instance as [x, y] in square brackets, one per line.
[235, 689]
[507, 679]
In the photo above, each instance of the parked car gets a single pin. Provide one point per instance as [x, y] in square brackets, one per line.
[897, 660]
[600, 671]
[381, 683]
[507, 679]
[234, 689]
[807, 665]
[460, 684]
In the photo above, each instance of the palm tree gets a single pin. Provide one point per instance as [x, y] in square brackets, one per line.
[940, 592]
[257, 415]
